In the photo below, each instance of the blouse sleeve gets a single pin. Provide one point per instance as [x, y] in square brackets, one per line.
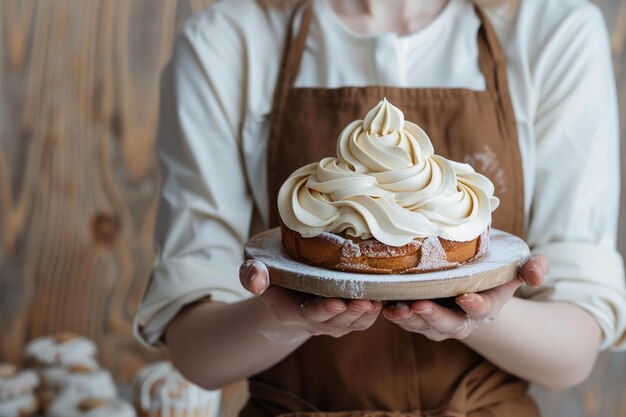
[205, 207]
[573, 217]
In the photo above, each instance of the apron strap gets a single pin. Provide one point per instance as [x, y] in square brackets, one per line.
[297, 49]
[491, 57]
[289, 67]
[493, 66]
[294, 48]
[486, 60]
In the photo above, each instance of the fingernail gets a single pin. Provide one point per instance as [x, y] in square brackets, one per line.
[469, 300]
[250, 275]
[401, 305]
[424, 310]
[260, 266]
[334, 308]
[361, 306]
[255, 282]
[245, 267]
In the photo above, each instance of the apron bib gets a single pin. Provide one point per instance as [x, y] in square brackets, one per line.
[386, 371]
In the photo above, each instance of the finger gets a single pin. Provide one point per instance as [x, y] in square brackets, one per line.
[442, 320]
[484, 306]
[405, 317]
[368, 318]
[355, 309]
[397, 312]
[254, 276]
[534, 270]
[321, 309]
[487, 304]
[294, 306]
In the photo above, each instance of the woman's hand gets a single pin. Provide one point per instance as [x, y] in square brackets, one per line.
[439, 323]
[313, 314]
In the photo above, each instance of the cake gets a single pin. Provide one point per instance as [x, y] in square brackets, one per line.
[61, 349]
[17, 398]
[161, 391]
[71, 405]
[84, 381]
[386, 203]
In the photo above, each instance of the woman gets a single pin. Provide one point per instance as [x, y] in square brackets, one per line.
[522, 90]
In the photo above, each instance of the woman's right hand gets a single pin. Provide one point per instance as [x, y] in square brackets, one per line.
[314, 314]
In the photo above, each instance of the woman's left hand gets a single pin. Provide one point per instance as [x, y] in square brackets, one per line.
[439, 323]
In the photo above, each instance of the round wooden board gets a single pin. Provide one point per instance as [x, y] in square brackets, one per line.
[498, 266]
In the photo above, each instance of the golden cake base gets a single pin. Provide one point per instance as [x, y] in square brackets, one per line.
[498, 266]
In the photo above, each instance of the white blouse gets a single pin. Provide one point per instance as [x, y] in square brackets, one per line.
[216, 101]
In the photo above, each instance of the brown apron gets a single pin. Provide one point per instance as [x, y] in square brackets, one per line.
[385, 370]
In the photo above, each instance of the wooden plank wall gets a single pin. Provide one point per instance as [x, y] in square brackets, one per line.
[78, 94]
[78, 180]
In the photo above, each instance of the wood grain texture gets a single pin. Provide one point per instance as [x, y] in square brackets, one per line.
[78, 179]
[78, 91]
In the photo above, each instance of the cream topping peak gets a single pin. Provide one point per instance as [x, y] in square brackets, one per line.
[383, 119]
[387, 183]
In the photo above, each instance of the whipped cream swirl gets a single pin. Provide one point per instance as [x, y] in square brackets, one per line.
[387, 183]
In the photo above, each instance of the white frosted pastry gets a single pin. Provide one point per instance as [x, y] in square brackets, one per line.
[16, 383]
[70, 405]
[386, 204]
[161, 391]
[387, 183]
[62, 349]
[84, 381]
[22, 406]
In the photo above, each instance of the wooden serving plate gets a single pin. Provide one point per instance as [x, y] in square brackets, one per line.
[498, 266]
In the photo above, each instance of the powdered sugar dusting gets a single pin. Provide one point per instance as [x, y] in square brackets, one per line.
[333, 238]
[349, 249]
[483, 243]
[352, 289]
[434, 256]
[375, 249]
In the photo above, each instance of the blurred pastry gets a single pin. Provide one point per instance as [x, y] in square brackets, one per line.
[71, 405]
[22, 406]
[17, 398]
[15, 382]
[83, 380]
[161, 391]
[61, 349]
